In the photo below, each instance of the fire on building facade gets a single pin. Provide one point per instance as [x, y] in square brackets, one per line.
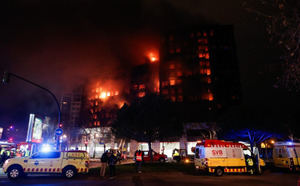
[195, 68]
[198, 67]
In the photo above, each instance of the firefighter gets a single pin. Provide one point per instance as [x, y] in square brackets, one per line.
[139, 155]
[176, 155]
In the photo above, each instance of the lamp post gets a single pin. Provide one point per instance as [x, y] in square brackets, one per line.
[6, 78]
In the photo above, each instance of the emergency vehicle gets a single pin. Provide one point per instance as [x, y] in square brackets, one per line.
[218, 156]
[66, 163]
[286, 155]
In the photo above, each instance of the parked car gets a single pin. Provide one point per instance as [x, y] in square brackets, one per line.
[156, 157]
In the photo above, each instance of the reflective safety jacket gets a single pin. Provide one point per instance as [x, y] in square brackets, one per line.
[139, 156]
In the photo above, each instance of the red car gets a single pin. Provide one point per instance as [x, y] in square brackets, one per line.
[156, 157]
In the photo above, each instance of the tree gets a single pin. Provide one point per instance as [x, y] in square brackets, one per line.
[254, 136]
[148, 119]
[282, 22]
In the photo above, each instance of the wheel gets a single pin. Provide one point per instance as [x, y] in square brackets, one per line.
[14, 172]
[161, 160]
[69, 172]
[219, 171]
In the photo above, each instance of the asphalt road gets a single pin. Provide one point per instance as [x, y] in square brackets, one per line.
[162, 179]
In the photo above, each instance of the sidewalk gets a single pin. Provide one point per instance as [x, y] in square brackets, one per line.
[94, 163]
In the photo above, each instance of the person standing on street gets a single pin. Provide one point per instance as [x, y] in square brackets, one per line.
[104, 161]
[139, 155]
[112, 159]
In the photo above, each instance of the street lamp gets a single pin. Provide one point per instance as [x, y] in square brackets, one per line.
[6, 79]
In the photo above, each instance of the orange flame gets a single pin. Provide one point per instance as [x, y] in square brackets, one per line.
[153, 57]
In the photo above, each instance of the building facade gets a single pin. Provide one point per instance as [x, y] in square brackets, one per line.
[198, 67]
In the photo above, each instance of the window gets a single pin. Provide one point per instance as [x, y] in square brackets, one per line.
[43, 155]
[208, 72]
[172, 82]
[172, 66]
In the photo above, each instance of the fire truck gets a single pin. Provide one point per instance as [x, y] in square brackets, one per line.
[218, 157]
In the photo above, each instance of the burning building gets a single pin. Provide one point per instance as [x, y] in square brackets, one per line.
[103, 104]
[198, 67]
[144, 78]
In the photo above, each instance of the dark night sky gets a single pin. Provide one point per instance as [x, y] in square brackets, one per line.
[59, 44]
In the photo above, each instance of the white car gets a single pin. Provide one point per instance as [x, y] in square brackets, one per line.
[67, 163]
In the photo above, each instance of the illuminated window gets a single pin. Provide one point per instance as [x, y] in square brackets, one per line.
[172, 82]
[95, 123]
[98, 123]
[135, 87]
[204, 34]
[142, 94]
[207, 56]
[179, 73]
[173, 98]
[96, 103]
[206, 49]
[142, 86]
[200, 40]
[172, 66]
[210, 97]
[208, 72]
[92, 111]
[200, 55]
[95, 116]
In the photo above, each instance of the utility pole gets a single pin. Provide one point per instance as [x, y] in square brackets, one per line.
[6, 79]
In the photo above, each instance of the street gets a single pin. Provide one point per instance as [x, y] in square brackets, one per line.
[162, 179]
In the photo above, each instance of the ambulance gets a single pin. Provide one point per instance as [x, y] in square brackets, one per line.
[66, 163]
[219, 157]
[286, 155]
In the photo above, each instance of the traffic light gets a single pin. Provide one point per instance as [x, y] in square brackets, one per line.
[5, 77]
[60, 125]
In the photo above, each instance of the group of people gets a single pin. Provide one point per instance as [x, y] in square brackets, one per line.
[109, 159]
